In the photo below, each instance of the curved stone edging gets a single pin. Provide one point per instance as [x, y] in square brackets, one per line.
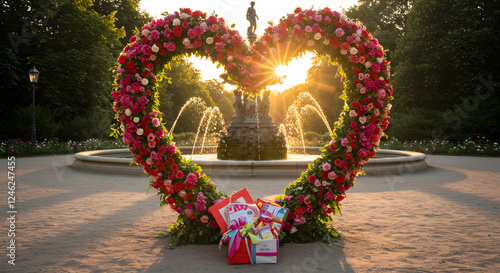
[386, 162]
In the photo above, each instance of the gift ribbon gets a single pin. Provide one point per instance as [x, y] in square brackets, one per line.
[233, 234]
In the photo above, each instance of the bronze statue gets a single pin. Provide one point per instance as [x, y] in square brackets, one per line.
[252, 18]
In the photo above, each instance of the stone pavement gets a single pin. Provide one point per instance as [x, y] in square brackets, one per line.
[445, 218]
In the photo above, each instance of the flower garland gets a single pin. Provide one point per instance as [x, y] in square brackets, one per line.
[319, 191]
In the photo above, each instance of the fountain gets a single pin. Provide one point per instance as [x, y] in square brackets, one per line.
[252, 134]
[255, 147]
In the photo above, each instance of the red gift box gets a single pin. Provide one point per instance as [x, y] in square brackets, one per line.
[241, 255]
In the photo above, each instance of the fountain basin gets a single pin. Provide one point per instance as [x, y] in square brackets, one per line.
[385, 162]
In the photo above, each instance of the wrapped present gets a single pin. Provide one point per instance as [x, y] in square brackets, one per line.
[265, 252]
[219, 210]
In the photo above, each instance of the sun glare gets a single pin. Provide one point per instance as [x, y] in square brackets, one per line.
[293, 73]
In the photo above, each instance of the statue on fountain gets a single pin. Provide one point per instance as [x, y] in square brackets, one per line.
[252, 18]
[252, 134]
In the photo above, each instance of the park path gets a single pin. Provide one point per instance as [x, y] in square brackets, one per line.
[445, 218]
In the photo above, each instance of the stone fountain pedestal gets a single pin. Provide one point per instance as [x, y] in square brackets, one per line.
[252, 134]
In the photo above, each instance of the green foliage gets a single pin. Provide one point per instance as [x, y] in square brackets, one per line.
[18, 123]
[185, 84]
[385, 19]
[128, 14]
[449, 49]
[73, 44]
[19, 147]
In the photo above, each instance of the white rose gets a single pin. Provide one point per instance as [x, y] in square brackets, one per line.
[362, 119]
[230, 58]
[368, 64]
[145, 32]
[183, 16]
[343, 16]
[317, 36]
[210, 40]
[122, 127]
[136, 119]
[128, 112]
[176, 22]
[343, 52]
[353, 50]
[326, 42]
[186, 42]
[352, 113]
[380, 78]
[144, 81]
[204, 25]
[376, 112]
[140, 131]
[379, 60]
[358, 32]
[155, 48]
[389, 106]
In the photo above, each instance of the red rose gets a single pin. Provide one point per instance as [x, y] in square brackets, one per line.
[354, 144]
[347, 156]
[373, 119]
[319, 194]
[132, 39]
[197, 14]
[339, 178]
[131, 67]
[324, 175]
[355, 104]
[190, 196]
[178, 186]
[336, 44]
[367, 100]
[338, 162]
[287, 226]
[177, 31]
[297, 10]
[185, 24]
[160, 183]
[189, 187]
[373, 75]
[213, 224]
[122, 59]
[332, 38]
[170, 160]
[186, 10]
[299, 211]
[174, 167]
[356, 70]
[339, 198]
[345, 46]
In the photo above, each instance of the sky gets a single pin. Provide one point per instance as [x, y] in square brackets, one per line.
[234, 11]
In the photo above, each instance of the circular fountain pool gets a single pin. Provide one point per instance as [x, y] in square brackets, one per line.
[385, 162]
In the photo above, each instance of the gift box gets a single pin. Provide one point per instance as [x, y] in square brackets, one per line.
[218, 210]
[265, 252]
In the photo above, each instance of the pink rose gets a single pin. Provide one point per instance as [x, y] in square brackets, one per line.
[327, 166]
[330, 195]
[339, 32]
[204, 219]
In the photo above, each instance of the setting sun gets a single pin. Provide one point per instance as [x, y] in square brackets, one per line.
[293, 73]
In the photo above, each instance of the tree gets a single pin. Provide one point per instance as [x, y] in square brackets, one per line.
[184, 83]
[128, 15]
[448, 48]
[74, 48]
[221, 97]
[385, 19]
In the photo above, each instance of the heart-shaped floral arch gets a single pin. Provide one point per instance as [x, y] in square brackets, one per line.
[318, 192]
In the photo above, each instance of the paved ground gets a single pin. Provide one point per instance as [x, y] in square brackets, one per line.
[445, 218]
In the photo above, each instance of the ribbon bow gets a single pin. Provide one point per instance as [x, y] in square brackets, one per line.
[234, 234]
[246, 229]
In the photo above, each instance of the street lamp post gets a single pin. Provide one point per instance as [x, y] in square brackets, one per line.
[33, 79]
